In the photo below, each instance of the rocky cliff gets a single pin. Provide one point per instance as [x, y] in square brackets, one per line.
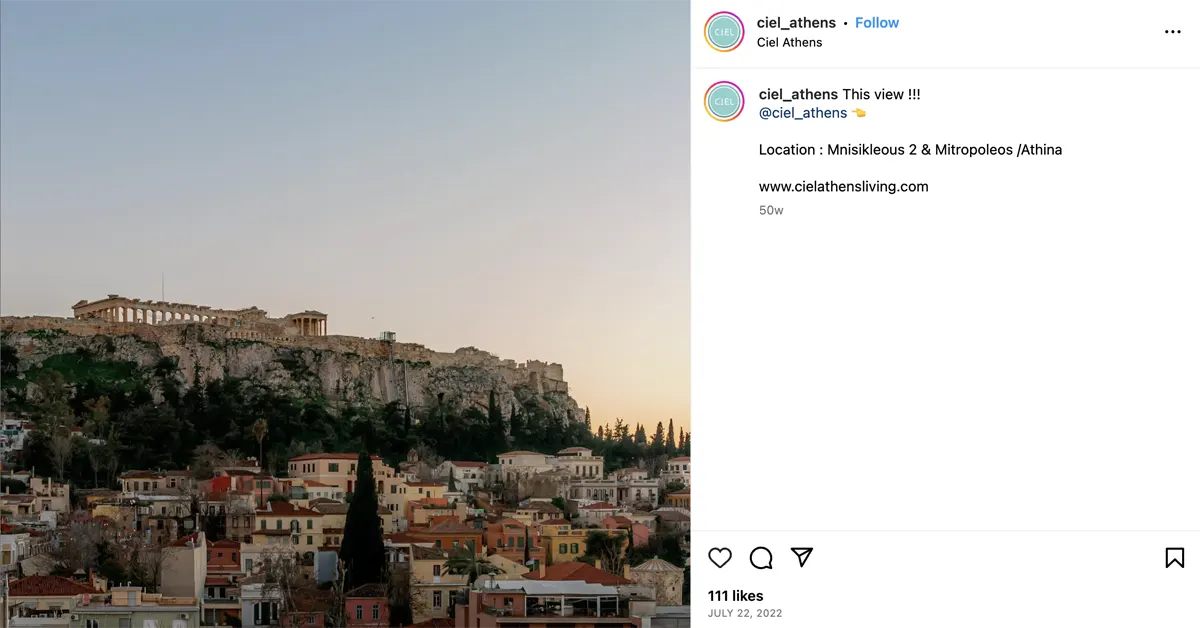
[339, 368]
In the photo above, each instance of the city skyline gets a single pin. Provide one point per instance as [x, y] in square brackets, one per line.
[411, 167]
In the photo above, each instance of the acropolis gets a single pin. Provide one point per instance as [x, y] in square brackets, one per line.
[118, 309]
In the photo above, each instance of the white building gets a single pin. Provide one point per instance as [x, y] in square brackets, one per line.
[679, 470]
[522, 464]
[468, 475]
[580, 463]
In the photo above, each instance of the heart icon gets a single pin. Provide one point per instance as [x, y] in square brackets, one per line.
[720, 556]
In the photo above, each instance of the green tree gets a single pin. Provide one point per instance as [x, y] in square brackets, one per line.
[671, 437]
[362, 542]
[657, 444]
[465, 562]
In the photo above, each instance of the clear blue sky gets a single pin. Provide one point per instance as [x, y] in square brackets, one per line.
[509, 175]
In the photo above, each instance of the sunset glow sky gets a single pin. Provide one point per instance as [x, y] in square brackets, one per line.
[507, 175]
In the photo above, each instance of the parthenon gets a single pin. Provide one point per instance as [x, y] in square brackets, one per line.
[119, 309]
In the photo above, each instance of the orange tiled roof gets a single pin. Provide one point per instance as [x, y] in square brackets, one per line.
[575, 571]
[48, 586]
[599, 506]
[556, 522]
[285, 509]
[681, 459]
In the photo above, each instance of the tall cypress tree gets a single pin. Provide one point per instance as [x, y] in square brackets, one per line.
[362, 543]
[671, 437]
[656, 443]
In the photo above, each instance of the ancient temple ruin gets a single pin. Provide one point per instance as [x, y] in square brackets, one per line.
[118, 309]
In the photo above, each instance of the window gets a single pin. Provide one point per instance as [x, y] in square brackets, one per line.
[249, 566]
[437, 599]
[333, 467]
[437, 570]
[124, 622]
[510, 541]
[312, 619]
[393, 488]
[562, 548]
[262, 524]
[132, 601]
[149, 623]
[309, 541]
[438, 543]
[179, 623]
[91, 623]
[279, 524]
[374, 611]
[358, 611]
[574, 548]
[520, 542]
[310, 524]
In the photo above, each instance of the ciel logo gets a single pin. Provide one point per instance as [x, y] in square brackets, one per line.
[724, 101]
[724, 31]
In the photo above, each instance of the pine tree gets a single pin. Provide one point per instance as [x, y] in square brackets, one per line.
[639, 436]
[362, 543]
[587, 418]
[671, 437]
[681, 438]
[608, 432]
[600, 432]
[656, 443]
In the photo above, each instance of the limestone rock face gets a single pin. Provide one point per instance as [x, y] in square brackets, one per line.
[339, 368]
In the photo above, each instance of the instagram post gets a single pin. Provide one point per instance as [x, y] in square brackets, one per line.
[414, 313]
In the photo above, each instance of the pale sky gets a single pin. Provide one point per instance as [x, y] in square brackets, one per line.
[508, 175]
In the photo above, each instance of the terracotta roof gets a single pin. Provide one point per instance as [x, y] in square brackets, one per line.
[672, 515]
[521, 452]
[451, 527]
[331, 508]
[141, 475]
[468, 463]
[619, 520]
[686, 491]
[574, 571]
[368, 590]
[556, 522]
[424, 484]
[681, 459]
[191, 538]
[427, 553]
[574, 450]
[316, 483]
[217, 581]
[225, 543]
[48, 586]
[599, 506]
[330, 457]
[286, 509]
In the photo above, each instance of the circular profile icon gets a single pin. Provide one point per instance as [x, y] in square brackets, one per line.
[724, 31]
[724, 101]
